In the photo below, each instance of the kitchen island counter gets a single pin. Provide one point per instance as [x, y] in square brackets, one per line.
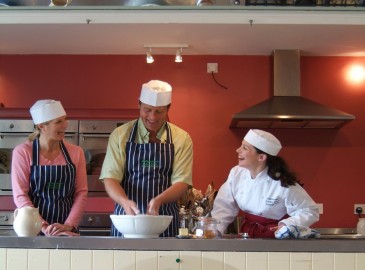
[174, 244]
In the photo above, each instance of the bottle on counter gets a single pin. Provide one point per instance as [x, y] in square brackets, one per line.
[360, 227]
[183, 222]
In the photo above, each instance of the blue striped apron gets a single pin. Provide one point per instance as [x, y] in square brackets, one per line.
[148, 174]
[52, 187]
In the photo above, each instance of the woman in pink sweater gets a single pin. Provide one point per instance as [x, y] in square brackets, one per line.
[50, 173]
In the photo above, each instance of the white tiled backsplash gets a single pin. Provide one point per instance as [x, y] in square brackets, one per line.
[46, 259]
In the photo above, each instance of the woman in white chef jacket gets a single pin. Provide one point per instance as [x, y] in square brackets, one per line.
[263, 187]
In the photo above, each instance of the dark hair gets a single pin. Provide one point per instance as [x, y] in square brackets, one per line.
[279, 170]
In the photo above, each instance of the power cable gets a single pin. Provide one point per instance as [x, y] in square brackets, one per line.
[221, 85]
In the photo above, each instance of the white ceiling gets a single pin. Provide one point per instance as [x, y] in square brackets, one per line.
[245, 31]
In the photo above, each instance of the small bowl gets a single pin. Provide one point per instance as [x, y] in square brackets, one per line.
[141, 226]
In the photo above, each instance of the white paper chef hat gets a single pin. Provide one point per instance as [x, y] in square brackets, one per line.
[46, 110]
[156, 93]
[264, 141]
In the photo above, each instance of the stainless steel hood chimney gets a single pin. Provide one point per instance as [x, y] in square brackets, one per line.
[287, 109]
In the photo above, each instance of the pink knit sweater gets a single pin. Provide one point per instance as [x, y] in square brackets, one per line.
[20, 171]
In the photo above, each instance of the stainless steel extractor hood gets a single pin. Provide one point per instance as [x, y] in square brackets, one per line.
[287, 109]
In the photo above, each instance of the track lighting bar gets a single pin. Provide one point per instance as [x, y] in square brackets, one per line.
[166, 46]
[179, 47]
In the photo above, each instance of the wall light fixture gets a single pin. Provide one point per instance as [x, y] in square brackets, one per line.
[161, 48]
[178, 57]
[149, 57]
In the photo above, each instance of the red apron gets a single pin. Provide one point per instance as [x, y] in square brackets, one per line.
[258, 227]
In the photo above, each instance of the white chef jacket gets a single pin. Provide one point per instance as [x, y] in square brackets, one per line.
[264, 197]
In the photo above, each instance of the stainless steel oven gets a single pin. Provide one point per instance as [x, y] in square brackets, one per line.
[93, 139]
[6, 223]
[12, 133]
[95, 224]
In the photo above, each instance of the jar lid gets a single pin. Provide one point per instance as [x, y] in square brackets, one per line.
[208, 219]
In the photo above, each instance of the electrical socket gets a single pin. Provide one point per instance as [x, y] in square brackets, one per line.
[212, 67]
[359, 205]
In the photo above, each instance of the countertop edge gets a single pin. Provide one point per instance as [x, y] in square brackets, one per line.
[173, 244]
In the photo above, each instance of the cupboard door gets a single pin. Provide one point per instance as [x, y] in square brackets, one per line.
[125, 260]
[16, 259]
[257, 261]
[81, 259]
[345, 261]
[301, 261]
[147, 260]
[235, 260]
[2, 258]
[169, 260]
[190, 260]
[213, 261]
[103, 259]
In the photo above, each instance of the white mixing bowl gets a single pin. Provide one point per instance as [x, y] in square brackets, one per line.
[141, 226]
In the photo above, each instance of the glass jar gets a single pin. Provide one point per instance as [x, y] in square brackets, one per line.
[207, 228]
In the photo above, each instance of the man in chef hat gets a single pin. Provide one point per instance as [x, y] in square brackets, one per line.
[264, 188]
[61, 193]
[148, 164]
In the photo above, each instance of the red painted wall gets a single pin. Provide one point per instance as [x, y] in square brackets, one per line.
[329, 162]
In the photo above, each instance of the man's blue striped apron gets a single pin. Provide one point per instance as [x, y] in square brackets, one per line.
[52, 187]
[148, 174]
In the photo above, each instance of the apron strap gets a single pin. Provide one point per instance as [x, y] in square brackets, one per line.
[133, 134]
[35, 153]
[65, 153]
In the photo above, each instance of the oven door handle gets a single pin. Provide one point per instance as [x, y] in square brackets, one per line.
[84, 136]
[70, 135]
[13, 134]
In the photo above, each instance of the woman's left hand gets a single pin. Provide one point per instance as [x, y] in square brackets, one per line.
[57, 228]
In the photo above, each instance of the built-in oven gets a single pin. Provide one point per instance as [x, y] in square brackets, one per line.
[6, 223]
[14, 132]
[93, 139]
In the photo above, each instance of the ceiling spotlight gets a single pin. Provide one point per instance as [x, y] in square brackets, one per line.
[149, 57]
[178, 57]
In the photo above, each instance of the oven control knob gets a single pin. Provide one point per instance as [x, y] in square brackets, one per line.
[90, 219]
[11, 126]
